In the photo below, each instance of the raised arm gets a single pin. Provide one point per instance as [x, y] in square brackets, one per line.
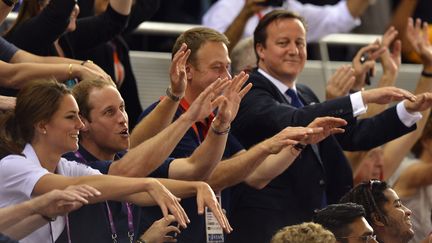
[235, 30]
[149, 154]
[275, 164]
[163, 114]
[396, 150]
[82, 69]
[204, 159]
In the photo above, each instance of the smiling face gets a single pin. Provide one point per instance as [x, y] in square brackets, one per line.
[284, 54]
[212, 62]
[399, 226]
[63, 127]
[106, 131]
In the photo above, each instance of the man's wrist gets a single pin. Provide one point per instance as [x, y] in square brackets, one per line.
[173, 96]
[219, 128]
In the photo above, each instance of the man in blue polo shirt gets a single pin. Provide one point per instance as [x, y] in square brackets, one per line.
[105, 138]
[207, 62]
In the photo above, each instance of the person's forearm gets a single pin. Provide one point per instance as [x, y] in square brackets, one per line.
[150, 154]
[236, 169]
[181, 189]
[25, 227]
[204, 159]
[121, 6]
[156, 121]
[235, 30]
[111, 187]
[357, 7]
[373, 109]
[17, 75]
[273, 166]
[13, 214]
[404, 10]
[23, 56]
[396, 150]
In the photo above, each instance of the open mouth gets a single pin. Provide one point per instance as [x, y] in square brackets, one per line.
[124, 132]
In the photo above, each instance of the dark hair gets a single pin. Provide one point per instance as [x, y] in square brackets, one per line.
[417, 149]
[260, 33]
[303, 233]
[371, 196]
[195, 38]
[36, 102]
[82, 90]
[338, 217]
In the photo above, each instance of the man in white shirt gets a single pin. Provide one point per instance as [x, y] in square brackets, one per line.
[238, 19]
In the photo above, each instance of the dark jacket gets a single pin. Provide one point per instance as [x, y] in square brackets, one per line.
[320, 175]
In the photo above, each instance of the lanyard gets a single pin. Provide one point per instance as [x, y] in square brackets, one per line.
[184, 105]
[131, 231]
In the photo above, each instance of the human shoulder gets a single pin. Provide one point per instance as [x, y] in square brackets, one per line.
[73, 168]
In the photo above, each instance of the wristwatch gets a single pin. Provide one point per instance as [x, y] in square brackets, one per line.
[10, 3]
[140, 241]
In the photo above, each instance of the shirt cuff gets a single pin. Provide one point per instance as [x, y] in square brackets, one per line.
[358, 106]
[407, 118]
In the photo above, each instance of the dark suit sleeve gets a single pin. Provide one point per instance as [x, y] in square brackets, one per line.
[95, 30]
[44, 28]
[369, 133]
[261, 107]
[141, 11]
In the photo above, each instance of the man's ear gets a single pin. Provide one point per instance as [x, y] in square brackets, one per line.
[377, 220]
[85, 128]
[260, 50]
[189, 72]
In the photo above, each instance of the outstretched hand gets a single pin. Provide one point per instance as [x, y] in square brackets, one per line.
[167, 202]
[234, 92]
[418, 35]
[329, 125]
[286, 137]
[61, 202]
[177, 71]
[386, 95]
[423, 101]
[206, 198]
[207, 101]
[340, 83]
[372, 51]
[158, 231]
[391, 58]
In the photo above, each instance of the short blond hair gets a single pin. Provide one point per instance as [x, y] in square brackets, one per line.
[304, 233]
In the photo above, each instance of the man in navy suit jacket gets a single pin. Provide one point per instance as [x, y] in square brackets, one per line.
[321, 174]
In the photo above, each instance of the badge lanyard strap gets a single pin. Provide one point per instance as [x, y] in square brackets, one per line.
[131, 231]
[185, 106]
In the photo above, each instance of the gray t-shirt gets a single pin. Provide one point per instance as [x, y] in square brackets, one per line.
[7, 50]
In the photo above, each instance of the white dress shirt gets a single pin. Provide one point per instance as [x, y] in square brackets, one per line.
[321, 20]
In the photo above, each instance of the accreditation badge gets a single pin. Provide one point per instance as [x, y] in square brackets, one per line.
[214, 232]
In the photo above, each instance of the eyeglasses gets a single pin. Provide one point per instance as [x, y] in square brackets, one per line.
[364, 238]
